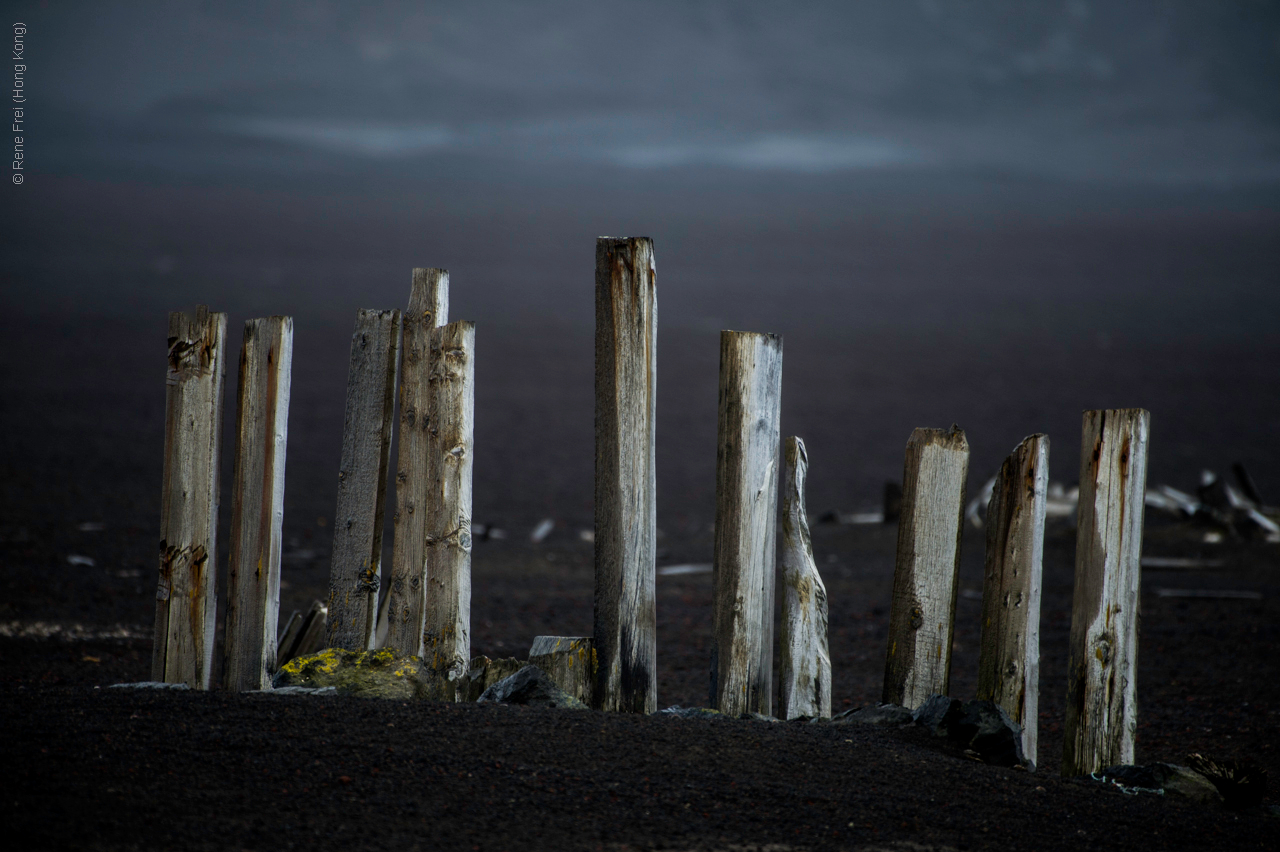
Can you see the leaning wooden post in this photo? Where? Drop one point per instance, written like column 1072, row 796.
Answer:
column 428, row 308
column 922, row 613
column 187, row 592
column 1009, row 659
column 355, row 570
column 450, row 442
column 257, row 503
column 805, row 669
column 625, row 632
column 746, row 522
column 1102, row 711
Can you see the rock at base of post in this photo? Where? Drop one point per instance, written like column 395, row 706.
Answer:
column 530, row 687
column 570, row 662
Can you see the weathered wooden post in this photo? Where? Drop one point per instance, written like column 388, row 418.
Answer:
column 1102, row 711
column 625, row 632
column 187, row 591
column 805, row 671
column 570, row 661
column 922, row 613
column 257, row 503
column 746, row 522
column 428, row 308
column 355, row 570
column 450, row 444
column 1009, row 659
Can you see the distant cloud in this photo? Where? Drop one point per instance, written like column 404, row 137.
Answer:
column 784, row 153
column 368, row 139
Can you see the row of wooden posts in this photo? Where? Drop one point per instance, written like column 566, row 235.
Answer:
column 430, row 363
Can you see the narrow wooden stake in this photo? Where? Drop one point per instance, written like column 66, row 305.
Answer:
column 446, row 631
column 187, row 591
column 1009, row 658
column 1102, row 711
column 625, row 632
column 746, row 522
column 257, row 503
column 922, row 613
column 805, row 669
column 355, row 571
column 428, row 308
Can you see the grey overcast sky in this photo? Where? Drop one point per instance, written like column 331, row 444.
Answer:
column 1184, row 93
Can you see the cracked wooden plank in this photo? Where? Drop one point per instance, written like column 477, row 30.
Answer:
column 257, row 503
column 922, row 612
column 625, row 621
column 1009, row 656
column 1102, row 712
column 355, row 570
column 805, row 667
column 746, row 522
column 186, row 592
column 406, row 596
column 450, row 445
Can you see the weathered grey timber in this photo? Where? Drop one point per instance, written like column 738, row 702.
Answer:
column 1009, row 658
column 570, row 661
column 1102, row 711
column 257, row 503
column 355, row 570
column 922, row 613
column 746, row 522
column 428, row 308
column 450, row 446
column 187, row 591
column 805, row 670
column 625, row 630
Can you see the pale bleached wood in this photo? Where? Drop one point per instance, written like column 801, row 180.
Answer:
column 922, row 613
column 257, row 503
column 570, row 662
column 428, row 308
column 186, row 594
column 625, row 630
column 450, row 445
column 805, row 667
column 746, row 522
column 1009, row 656
column 1102, row 711
column 355, row 572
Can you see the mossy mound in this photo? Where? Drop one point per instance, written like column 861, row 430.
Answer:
column 371, row 674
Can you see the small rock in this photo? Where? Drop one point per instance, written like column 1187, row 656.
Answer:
column 299, row 690
column 876, row 714
column 691, row 712
column 1242, row 783
column 530, row 687
column 759, row 717
column 149, row 684
column 371, row 674
column 985, row 728
column 486, row 672
column 937, row 713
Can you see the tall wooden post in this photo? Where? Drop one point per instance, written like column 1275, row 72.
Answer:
column 805, row 670
column 625, row 634
column 1102, row 712
column 355, row 571
column 257, row 503
column 746, row 522
column 922, row 614
column 428, row 308
column 446, row 632
column 187, row 591
column 1009, row 659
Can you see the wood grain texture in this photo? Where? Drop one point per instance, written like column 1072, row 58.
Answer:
column 355, row 571
column 570, row 661
column 187, row 591
column 1009, row 656
column 428, row 308
column 1102, row 712
column 922, row 612
column 257, row 503
column 625, row 630
column 805, row 669
column 746, row 522
column 450, row 445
